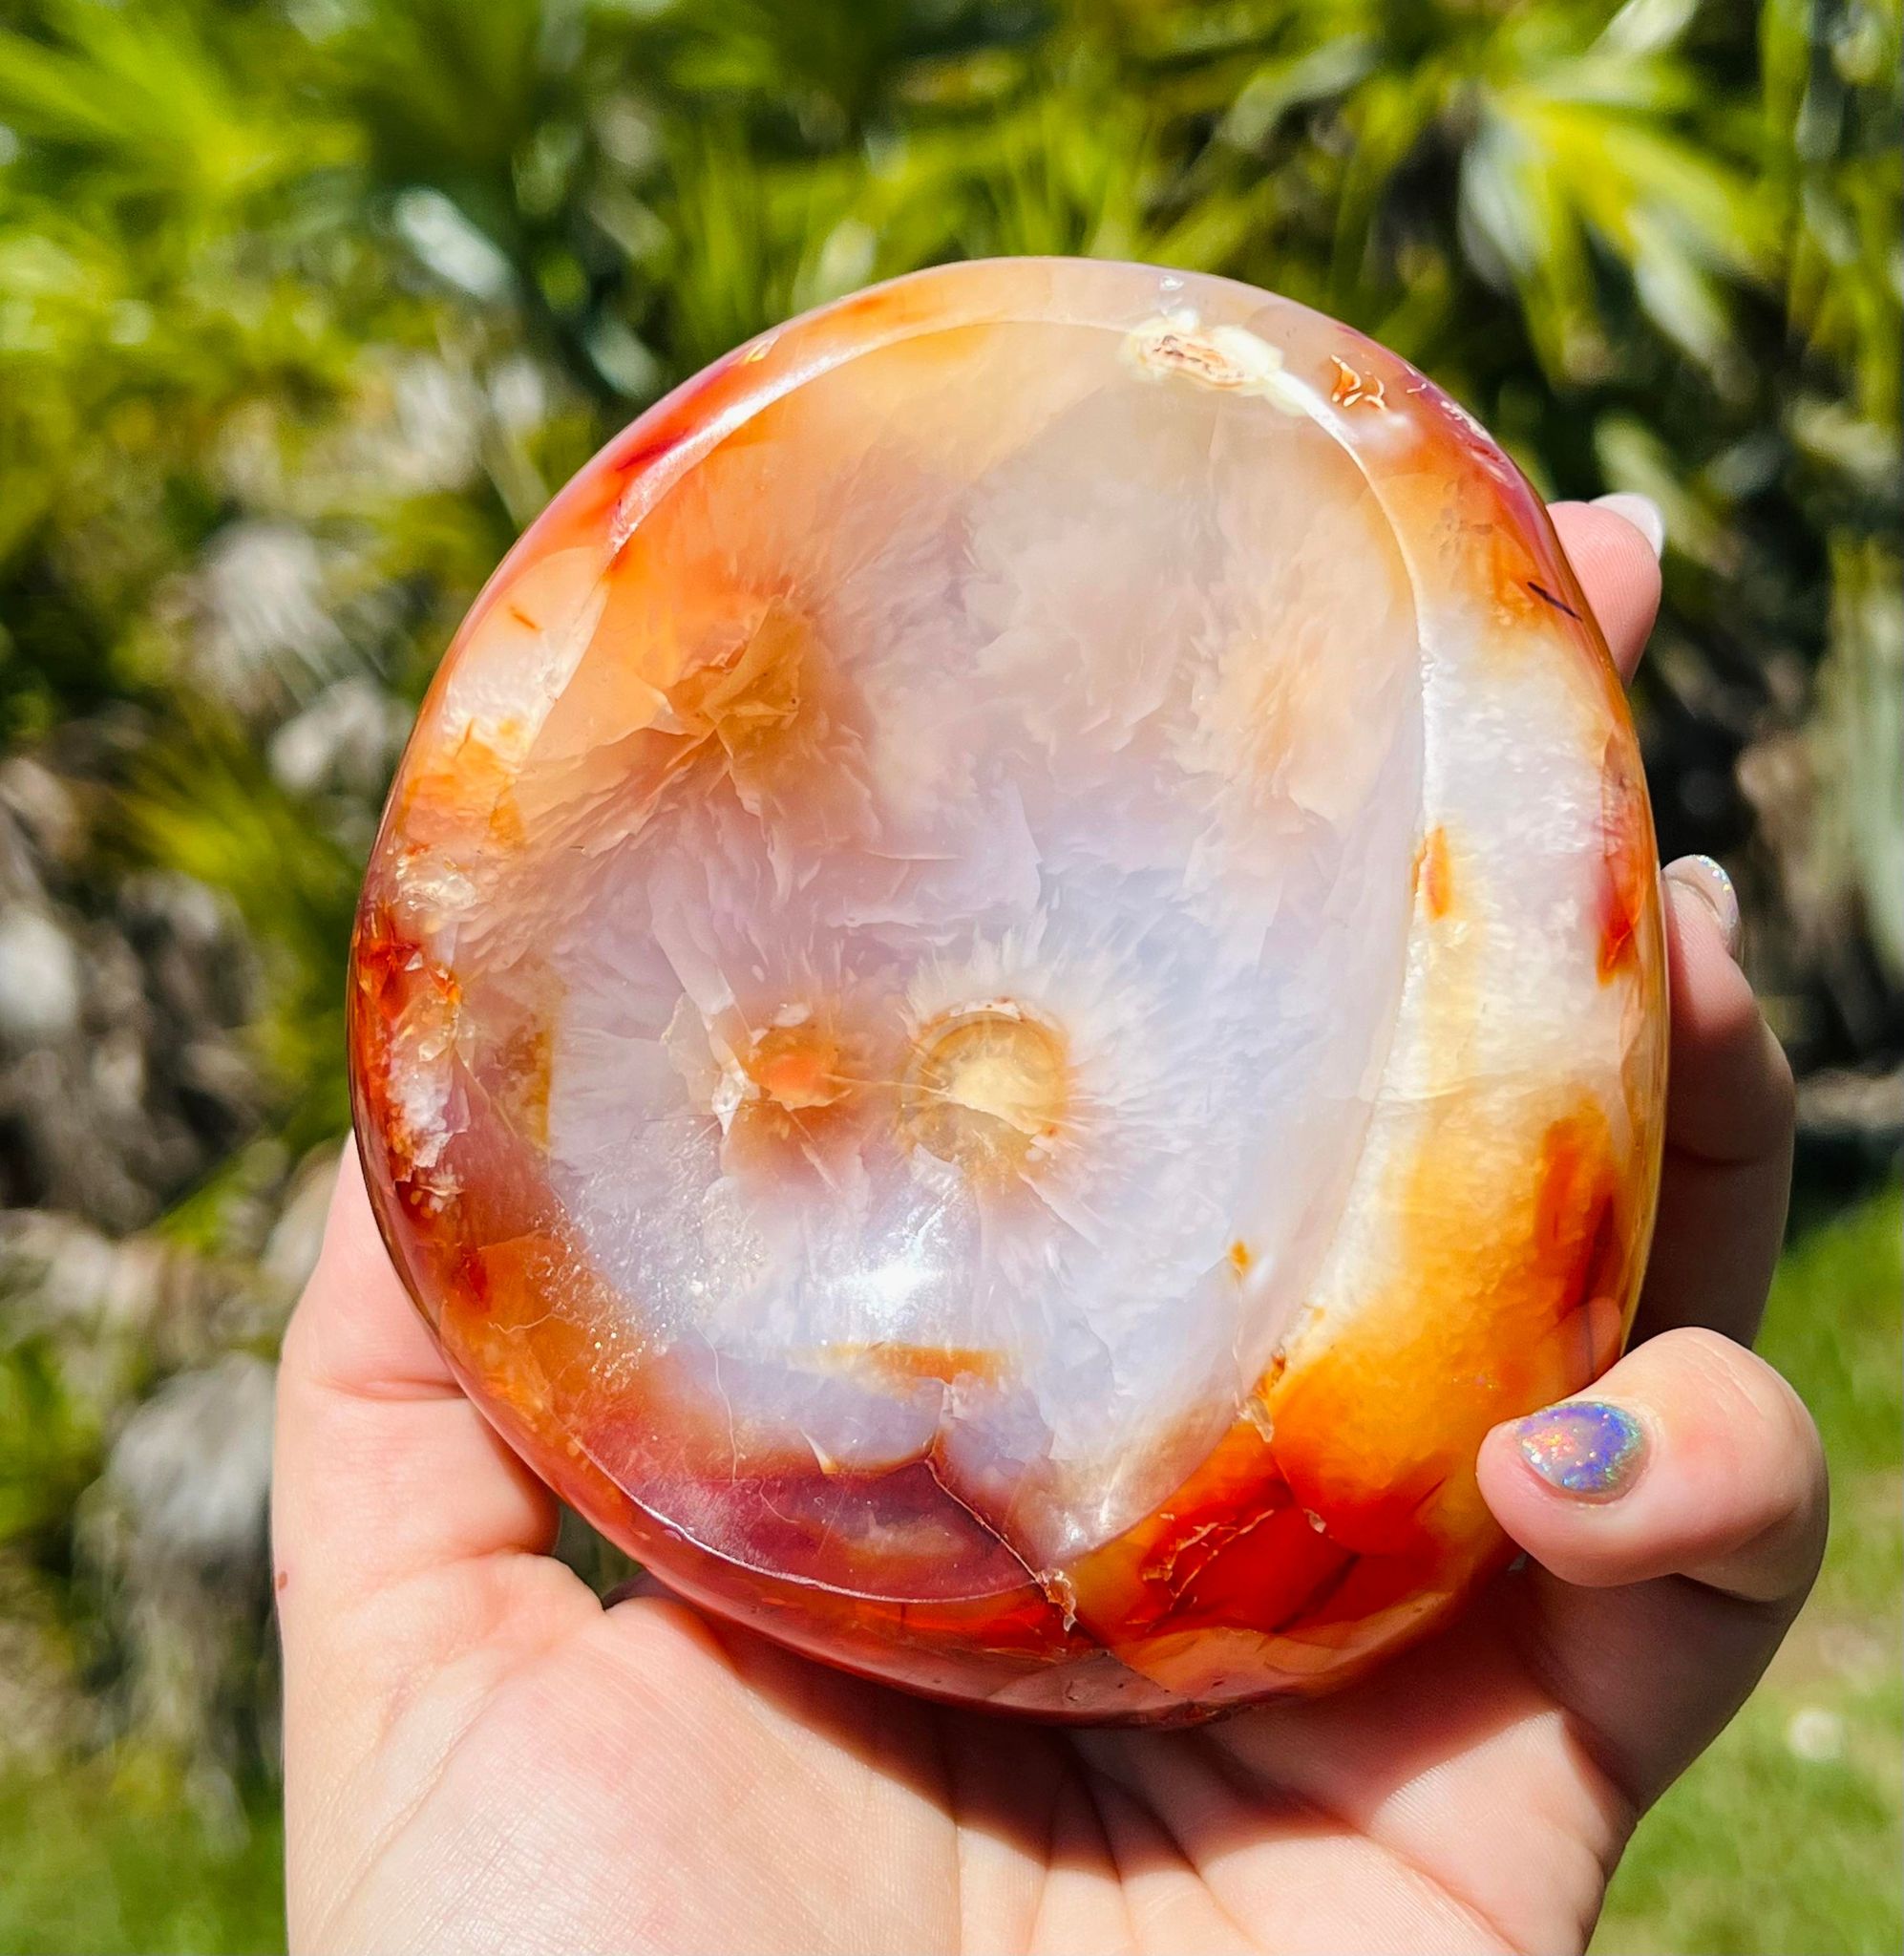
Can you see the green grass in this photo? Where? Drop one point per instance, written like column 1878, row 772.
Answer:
column 96, row 1860
column 1783, row 1840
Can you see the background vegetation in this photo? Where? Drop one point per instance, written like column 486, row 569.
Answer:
column 306, row 306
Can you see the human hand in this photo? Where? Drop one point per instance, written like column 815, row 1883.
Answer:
column 479, row 1754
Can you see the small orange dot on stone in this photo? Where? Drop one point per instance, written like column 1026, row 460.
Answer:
column 1434, row 878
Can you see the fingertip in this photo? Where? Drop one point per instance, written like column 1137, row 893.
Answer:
column 1703, row 879
column 1619, row 569
column 1643, row 513
column 355, row 1326
column 1709, row 997
column 352, row 1249
column 1691, row 1457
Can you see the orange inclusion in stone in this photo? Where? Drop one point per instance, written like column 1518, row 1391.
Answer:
column 1434, row 877
column 796, row 1070
column 1349, row 1490
column 1626, row 860
column 1526, row 1319
column 924, row 1362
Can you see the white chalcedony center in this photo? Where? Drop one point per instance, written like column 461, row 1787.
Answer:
column 978, row 974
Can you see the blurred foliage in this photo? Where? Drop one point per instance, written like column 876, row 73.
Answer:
column 99, row 1861
column 307, row 307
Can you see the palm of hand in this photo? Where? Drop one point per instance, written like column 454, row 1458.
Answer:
column 575, row 1780
column 579, row 1780
column 479, row 1755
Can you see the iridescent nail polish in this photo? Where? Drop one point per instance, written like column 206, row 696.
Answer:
column 1708, row 881
column 1585, row 1448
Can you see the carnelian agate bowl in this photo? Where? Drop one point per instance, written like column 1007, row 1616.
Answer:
column 1013, row 985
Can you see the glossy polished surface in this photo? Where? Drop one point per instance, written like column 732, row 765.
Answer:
column 1013, row 985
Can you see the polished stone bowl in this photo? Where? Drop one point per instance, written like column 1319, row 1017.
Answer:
column 1014, row 985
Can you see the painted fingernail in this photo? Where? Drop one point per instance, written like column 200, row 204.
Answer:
column 1641, row 512
column 1585, row 1448
column 1713, row 887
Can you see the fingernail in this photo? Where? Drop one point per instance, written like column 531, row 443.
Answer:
column 1641, row 512
column 1585, row 1448
column 1713, row 888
